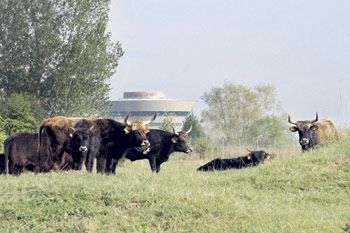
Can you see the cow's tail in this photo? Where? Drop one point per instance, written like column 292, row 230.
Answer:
column 40, row 162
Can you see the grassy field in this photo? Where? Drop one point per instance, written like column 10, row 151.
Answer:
column 307, row 192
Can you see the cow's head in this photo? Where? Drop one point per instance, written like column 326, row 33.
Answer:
column 80, row 142
column 257, row 156
column 181, row 141
column 308, row 132
column 137, row 131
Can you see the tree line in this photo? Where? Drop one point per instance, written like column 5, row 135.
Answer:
column 56, row 58
column 239, row 115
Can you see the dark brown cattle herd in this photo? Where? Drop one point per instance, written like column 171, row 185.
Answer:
column 64, row 143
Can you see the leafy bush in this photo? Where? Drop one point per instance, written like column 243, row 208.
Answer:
column 3, row 137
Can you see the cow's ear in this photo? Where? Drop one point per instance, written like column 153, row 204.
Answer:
column 314, row 127
column 293, row 129
column 173, row 140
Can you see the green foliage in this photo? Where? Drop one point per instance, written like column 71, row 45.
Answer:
column 202, row 145
column 20, row 113
column 306, row 192
column 197, row 129
column 3, row 137
column 59, row 52
column 167, row 122
column 232, row 108
column 267, row 131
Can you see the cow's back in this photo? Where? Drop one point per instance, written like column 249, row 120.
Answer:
column 109, row 129
column 326, row 129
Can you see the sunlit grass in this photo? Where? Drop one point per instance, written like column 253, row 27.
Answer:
column 303, row 192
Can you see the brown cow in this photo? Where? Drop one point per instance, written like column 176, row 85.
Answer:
column 21, row 153
column 313, row 133
column 116, row 137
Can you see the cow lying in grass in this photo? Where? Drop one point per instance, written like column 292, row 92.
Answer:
column 252, row 159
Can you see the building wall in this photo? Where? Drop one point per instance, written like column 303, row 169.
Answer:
column 143, row 107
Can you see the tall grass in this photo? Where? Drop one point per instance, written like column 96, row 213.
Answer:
column 301, row 192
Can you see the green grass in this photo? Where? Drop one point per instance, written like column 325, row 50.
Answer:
column 308, row 192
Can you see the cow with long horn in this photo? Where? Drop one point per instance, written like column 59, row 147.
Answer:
column 312, row 133
column 163, row 144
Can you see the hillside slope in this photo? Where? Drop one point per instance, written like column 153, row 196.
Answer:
column 306, row 192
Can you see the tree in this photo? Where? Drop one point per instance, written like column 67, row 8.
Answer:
column 58, row 52
column 267, row 131
column 3, row 136
column 197, row 129
column 232, row 108
column 202, row 146
column 167, row 122
column 20, row 113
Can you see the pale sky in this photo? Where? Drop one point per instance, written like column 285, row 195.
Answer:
column 185, row 47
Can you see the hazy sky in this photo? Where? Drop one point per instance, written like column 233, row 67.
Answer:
column 185, row 47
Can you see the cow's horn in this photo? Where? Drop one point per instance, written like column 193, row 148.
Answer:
column 188, row 131
column 174, row 131
column 128, row 123
column 291, row 122
column 316, row 118
column 150, row 121
column 248, row 150
column 91, row 128
column 73, row 129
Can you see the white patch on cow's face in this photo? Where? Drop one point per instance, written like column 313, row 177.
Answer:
column 83, row 148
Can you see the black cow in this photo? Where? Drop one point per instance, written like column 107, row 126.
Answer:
column 85, row 144
column 116, row 138
column 21, row 152
column 3, row 164
column 163, row 144
column 252, row 159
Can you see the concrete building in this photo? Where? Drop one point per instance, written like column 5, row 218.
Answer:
column 143, row 106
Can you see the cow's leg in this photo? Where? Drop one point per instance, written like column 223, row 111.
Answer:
column 153, row 163
column 114, row 166
column 80, row 164
column 101, row 164
column 19, row 169
column 109, row 165
column 89, row 162
column 158, row 167
column 11, row 166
